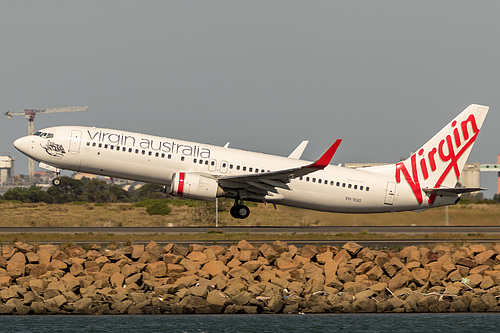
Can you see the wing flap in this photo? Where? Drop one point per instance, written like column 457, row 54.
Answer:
column 262, row 186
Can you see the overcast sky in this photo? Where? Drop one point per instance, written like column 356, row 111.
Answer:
column 384, row 76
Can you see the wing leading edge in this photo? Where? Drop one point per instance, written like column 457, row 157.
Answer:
column 262, row 183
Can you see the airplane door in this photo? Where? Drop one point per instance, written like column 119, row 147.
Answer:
column 74, row 144
column 390, row 193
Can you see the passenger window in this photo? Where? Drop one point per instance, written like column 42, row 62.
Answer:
column 244, row 168
column 343, row 184
column 355, row 187
column 100, row 145
column 143, row 152
column 162, row 155
column 230, row 166
column 94, row 144
column 201, row 161
column 206, row 162
column 338, row 183
column 137, row 151
column 195, row 160
column 50, row 136
column 169, row 156
column 237, row 167
column 224, row 165
column 157, row 154
column 307, row 179
column 367, row 189
column 111, row 147
column 105, row 146
column 314, row 180
column 212, row 163
column 250, row 169
column 361, row 187
column 349, row 186
column 182, row 158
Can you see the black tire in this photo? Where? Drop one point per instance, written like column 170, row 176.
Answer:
column 243, row 211
column 234, row 211
column 240, row 211
column 56, row 181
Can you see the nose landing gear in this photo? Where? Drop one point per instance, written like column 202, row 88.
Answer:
column 57, row 181
column 239, row 210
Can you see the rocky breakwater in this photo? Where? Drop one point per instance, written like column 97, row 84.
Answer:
column 244, row 278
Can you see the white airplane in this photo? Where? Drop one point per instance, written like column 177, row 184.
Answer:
column 200, row 171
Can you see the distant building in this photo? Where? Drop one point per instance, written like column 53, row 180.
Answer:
column 80, row 176
column 43, row 177
column 6, row 170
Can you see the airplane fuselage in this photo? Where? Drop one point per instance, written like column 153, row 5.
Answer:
column 153, row 159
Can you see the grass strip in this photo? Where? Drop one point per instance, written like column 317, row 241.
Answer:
column 99, row 237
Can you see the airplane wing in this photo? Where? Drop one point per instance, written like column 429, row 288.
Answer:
column 261, row 183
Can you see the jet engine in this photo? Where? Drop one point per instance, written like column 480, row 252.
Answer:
column 195, row 186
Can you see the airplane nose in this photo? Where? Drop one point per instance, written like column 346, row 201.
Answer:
column 21, row 144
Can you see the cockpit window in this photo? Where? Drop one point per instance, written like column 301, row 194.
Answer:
column 44, row 135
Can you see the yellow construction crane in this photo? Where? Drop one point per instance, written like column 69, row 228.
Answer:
column 30, row 115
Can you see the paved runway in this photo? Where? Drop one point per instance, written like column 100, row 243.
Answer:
column 486, row 230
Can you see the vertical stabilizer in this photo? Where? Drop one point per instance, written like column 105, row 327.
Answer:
column 439, row 162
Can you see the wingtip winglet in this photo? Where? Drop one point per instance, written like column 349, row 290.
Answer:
column 327, row 156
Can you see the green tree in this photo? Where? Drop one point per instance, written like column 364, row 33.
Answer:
column 149, row 191
column 69, row 190
column 117, row 194
column 96, row 191
column 32, row 194
column 16, row 193
column 36, row 194
column 158, row 207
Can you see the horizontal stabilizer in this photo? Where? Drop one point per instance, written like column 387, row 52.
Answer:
column 451, row 190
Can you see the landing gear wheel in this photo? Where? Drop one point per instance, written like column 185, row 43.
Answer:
column 240, row 211
column 56, row 181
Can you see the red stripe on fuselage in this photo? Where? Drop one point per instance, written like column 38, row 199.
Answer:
column 180, row 186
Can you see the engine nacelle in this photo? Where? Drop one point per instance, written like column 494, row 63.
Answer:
column 195, row 186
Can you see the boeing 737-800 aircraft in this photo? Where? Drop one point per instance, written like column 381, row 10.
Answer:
column 200, row 171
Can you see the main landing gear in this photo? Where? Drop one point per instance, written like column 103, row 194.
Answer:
column 239, row 210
